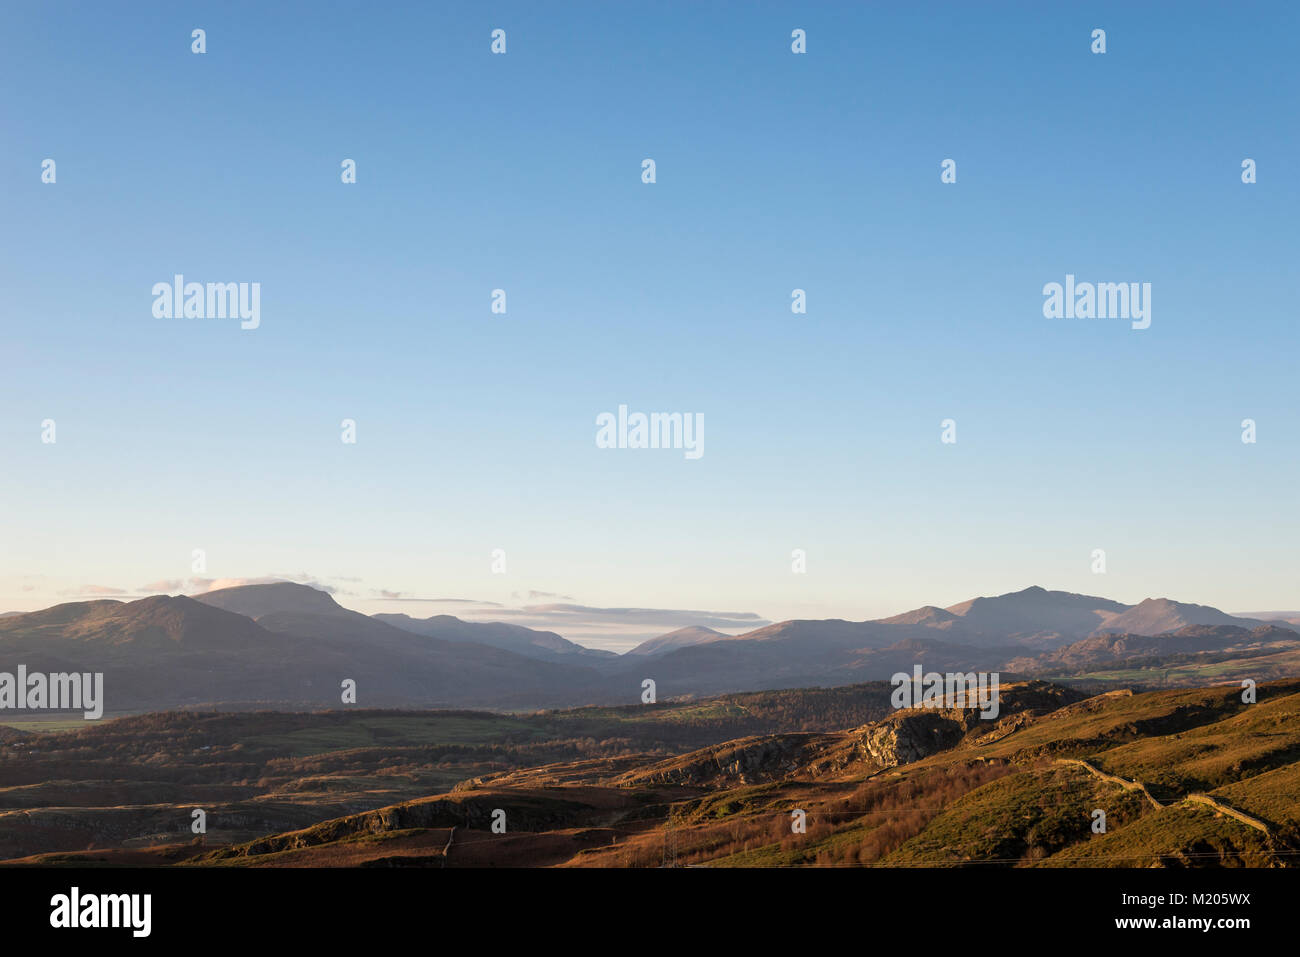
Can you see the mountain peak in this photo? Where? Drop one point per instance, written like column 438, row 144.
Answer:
column 1156, row 616
column 256, row 601
column 925, row 615
column 681, row 638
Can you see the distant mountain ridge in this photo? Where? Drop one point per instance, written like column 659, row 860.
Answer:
column 281, row 645
column 1034, row 613
column 289, row 645
column 1034, row 616
column 1157, row 616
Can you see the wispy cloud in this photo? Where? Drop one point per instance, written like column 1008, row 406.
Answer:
column 163, row 587
column 466, row 602
column 658, row 617
column 198, row 585
column 94, row 591
column 202, row 585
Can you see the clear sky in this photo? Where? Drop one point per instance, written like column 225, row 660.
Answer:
column 775, row 171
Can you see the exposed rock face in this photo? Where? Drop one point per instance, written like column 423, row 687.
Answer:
column 916, row 733
column 910, row 736
column 763, row 761
column 746, row 761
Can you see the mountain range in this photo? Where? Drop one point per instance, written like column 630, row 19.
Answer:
column 287, row 645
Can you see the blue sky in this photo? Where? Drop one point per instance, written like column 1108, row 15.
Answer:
column 775, row 171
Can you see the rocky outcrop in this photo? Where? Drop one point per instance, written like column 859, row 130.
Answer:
column 910, row 736
column 745, row 761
